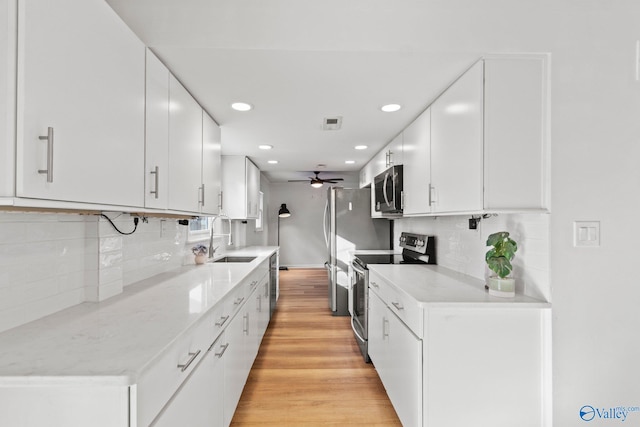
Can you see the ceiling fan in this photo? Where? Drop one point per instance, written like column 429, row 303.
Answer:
column 316, row 182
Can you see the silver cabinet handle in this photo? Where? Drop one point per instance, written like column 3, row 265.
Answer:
column 432, row 195
column 245, row 325
column 253, row 284
column 49, row 170
column 375, row 285
column 385, row 330
column 397, row 305
column 201, row 195
column 220, row 204
column 238, row 301
column 183, row 367
column 155, row 172
column 222, row 321
column 259, row 298
column 223, row 348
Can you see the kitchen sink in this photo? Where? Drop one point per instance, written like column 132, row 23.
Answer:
column 235, row 259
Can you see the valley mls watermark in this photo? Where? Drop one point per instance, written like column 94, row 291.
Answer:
column 616, row 413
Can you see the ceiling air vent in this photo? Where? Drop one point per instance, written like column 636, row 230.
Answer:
column 332, row 123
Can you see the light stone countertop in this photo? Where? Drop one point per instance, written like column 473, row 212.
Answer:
column 111, row 342
column 433, row 285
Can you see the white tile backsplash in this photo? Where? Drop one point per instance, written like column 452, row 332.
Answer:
column 49, row 261
column 463, row 250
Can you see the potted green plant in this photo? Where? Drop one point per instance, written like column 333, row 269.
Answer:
column 498, row 260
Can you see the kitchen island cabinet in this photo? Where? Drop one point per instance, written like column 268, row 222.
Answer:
column 141, row 357
column 441, row 343
column 80, row 104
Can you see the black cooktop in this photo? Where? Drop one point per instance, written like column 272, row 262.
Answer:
column 389, row 259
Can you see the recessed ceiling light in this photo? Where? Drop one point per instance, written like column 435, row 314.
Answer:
column 272, row 162
column 390, row 108
column 265, row 147
column 361, row 147
column 241, row 106
column 349, row 162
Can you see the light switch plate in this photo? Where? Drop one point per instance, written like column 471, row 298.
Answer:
column 586, row 233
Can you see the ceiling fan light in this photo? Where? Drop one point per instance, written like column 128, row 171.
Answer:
column 315, row 183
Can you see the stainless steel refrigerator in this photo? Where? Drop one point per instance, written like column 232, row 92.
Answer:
column 348, row 226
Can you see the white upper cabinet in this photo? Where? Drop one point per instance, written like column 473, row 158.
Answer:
column 7, row 98
column 417, row 165
column 211, row 165
column 185, row 149
column 157, row 134
column 240, row 187
column 80, row 109
column 394, row 151
column 515, row 133
column 456, row 145
column 182, row 147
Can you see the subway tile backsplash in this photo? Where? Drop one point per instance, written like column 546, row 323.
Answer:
column 463, row 250
column 49, row 261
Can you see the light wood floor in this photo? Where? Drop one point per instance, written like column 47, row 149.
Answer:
column 309, row 371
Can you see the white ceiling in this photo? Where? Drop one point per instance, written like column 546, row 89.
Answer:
column 298, row 62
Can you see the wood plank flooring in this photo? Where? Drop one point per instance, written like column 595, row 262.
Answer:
column 309, row 371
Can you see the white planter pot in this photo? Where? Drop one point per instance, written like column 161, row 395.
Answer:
column 201, row 258
column 505, row 288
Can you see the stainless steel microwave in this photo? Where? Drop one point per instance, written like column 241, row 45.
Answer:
column 388, row 191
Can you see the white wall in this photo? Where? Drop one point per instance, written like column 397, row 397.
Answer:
column 302, row 241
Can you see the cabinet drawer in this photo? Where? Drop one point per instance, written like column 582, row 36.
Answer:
column 165, row 374
column 405, row 307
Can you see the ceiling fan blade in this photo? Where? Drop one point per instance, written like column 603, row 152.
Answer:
column 298, row 180
column 332, row 179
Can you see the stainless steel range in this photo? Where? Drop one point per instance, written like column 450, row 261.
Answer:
column 417, row 249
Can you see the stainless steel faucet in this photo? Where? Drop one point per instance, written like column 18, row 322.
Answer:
column 211, row 248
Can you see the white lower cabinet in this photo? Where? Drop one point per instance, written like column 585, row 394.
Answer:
column 460, row 364
column 397, row 355
column 199, row 401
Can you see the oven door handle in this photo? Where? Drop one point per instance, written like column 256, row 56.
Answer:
column 358, row 269
column 356, row 332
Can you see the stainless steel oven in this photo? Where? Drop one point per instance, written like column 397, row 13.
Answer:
column 417, row 249
column 359, row 305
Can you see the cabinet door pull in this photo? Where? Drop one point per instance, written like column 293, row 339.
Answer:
column 397, row 305
column 49, row 170
column 375, row 285
column 259, row 298
column 245, row 325
column 238, row 301
column 156, row 173
column 223, row 348
column 222, row 320
column 183, row 367
column 202, row 194
column 385, row 330
column 220, row 204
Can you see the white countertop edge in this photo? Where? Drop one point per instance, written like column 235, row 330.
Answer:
column 67, row 381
